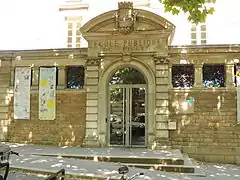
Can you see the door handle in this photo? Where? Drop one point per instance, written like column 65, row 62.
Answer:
column 106, row 119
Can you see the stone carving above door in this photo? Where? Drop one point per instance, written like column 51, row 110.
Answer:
column 125, row 17
column 126, row 20
column 127, row 30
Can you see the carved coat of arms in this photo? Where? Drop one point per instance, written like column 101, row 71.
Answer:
column 125, row 17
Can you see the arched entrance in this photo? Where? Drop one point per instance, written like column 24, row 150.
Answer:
column 127, row 120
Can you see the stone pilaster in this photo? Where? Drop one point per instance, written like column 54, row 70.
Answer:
column 229, row 75
column 170, row 85
column 12, row 76
column 61, row 77
column 92, row 77
column 35, row 78
column 162, row 101
column 198, row 74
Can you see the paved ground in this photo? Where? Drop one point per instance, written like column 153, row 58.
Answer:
column 103, row 169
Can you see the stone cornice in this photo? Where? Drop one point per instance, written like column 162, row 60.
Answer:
column 173, row 51
column 204, row 49
column 43, row 54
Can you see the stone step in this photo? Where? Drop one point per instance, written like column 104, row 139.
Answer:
column 157, row 158
column 164, row 167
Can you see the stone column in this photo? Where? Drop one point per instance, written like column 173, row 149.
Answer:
column 198, row 76
column 61, row 77
column 162, row 102
column 91, row 135
column 35, row 78
column 229, row 75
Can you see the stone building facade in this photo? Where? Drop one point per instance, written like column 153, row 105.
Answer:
column 128, row 88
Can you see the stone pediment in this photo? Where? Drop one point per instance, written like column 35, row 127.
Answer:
column 127, row 21
column 128, row 30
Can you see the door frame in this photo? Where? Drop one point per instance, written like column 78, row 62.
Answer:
column 130, row 87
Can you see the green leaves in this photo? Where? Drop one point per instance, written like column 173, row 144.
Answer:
column 196, row 9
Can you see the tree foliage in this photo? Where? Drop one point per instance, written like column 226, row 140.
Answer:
column 196, row 9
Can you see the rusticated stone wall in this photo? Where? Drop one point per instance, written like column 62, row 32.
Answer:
column 210, row 132
column 67, row 129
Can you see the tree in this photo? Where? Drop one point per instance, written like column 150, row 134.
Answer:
column 196, row 9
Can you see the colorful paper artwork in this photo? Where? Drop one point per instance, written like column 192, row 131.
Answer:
column 47, row 93
column 22, row 89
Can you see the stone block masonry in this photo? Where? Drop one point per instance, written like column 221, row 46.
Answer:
column 67, row 129
column 210, row 133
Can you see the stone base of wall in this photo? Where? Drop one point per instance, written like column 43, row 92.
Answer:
column 208, row 132
column 67, row 129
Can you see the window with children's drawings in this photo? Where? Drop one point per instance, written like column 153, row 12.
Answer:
column 213, row 75
column 183, row 76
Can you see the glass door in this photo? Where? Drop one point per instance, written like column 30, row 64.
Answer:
column 137, row 121
column 117, row 117
column 126, row 121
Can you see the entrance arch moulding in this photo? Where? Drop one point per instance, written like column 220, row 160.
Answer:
column 120, row 34
column 105, row 76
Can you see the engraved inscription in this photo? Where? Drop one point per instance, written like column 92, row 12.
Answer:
column 124, row 45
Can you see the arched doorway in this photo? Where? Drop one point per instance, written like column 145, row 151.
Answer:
column 127, row 120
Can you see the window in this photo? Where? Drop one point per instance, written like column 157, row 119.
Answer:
column 194, row 35
column 74, row 34
column 199, row 34
column 213, row 75
column 75, row 77
column 32, row 77
column 142, row 3
column 210, row 1
column 237, row 74
column 182, row 76
column 51, row 67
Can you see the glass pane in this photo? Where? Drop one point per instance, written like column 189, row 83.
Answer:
column 78, row 32
column 117, row 114
column 78, row 45
column 193, row 42
column 69, row 32
column 203, row 41
column 194, row 28
column 203, row 35
column 75, row 77
column 127, row 76
column 182, row 76
column 69, row 45
column 70, row 40
column 70, row 25
column 203, row 27
column 138, row 117
column 213, row 75
column 193, row 36
column 78, row 26
column 78, row 39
